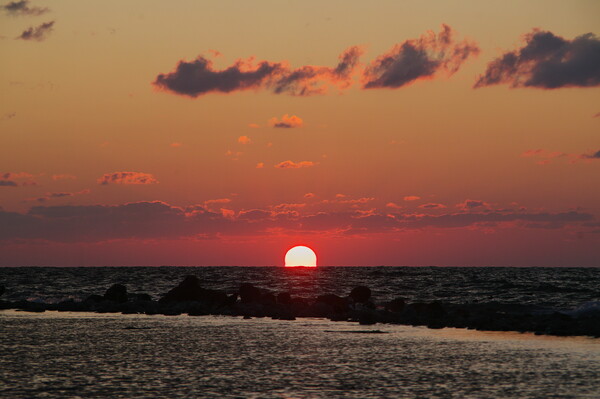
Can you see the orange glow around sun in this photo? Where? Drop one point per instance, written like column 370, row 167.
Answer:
column 300, row 256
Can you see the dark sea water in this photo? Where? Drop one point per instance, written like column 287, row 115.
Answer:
column 555, row 288
column 91, row 355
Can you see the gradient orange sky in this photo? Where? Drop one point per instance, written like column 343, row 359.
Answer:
column 113, row 155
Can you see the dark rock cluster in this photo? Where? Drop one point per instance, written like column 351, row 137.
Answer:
column 249, row 301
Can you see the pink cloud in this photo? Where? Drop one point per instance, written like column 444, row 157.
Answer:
column 411, row 198
column 432, row 206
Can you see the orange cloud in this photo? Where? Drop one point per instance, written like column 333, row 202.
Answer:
column 412, row 198
column 286, row 122
column 295, row 165
column 127, row 178
column 254, row 125
column 260, row 165
column 244, row 140
column 393, row 205
column 176, row 144
column 309, row 195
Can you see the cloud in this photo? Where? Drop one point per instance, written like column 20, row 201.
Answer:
column 432, row 206
column 260, row 165
column 22, row 8
column 8, row 116
column 411, row 198
column 175, row 144
column 7, row 179
column 244, row 140
column 309, row 195
column 597, row 115
column 469, row 204
column 37, row 33
column 8, row 183
column 253, row 125
column 154, row 220
column 593, row 155
column 421, row 58
column 393, row 205
column 547, row 61
column 286, row 122
column 50, row 196
column 199, row 77
column 310, row 80
column 127, row 178
column 295, row 165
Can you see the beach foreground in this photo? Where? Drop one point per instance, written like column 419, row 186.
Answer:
column 74, row 354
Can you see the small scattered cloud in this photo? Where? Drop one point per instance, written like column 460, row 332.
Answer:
column 244, row 140
column 175, row 144
column 8, row 116
column 597, row 115
column 253, row 125
column 592, row 155
column 286, row 122
column 127, row 178
column 8, row 183
column 8, row 179
column 37, row 33
column 18, row 8
column 295, row 165
column 234, row 155
column 309, row 195
column 547, row 61
column 544, row 157
column 49, row 196
column 63, row 177
column 260, row 165
column 432, row 206
column 469, row 204
column 411, row 198
column 393, row 205
column 417, row 59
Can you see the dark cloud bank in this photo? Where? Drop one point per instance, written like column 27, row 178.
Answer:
column 547, row 61
column 405, row 63
column 154, row 220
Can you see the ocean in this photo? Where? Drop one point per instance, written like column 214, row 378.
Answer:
column 108, row 355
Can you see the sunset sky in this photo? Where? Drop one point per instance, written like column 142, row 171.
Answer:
column 225, row 132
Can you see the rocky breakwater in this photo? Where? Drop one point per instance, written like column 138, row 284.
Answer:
column 249, row 301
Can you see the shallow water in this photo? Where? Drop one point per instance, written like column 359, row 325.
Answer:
column 57, row 355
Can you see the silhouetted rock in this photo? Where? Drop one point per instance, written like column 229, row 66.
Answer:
column 139, row 297
column 249, row 293
column 190, row 290
column 396, row 305
column 2, row 290
column 360, row 294
column 116, row 293
column 94, row 298
column 367, row 319
column 267, row 299
column 338, row 303
column 284, row 298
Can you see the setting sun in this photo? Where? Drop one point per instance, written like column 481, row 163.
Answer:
column 300, row 256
